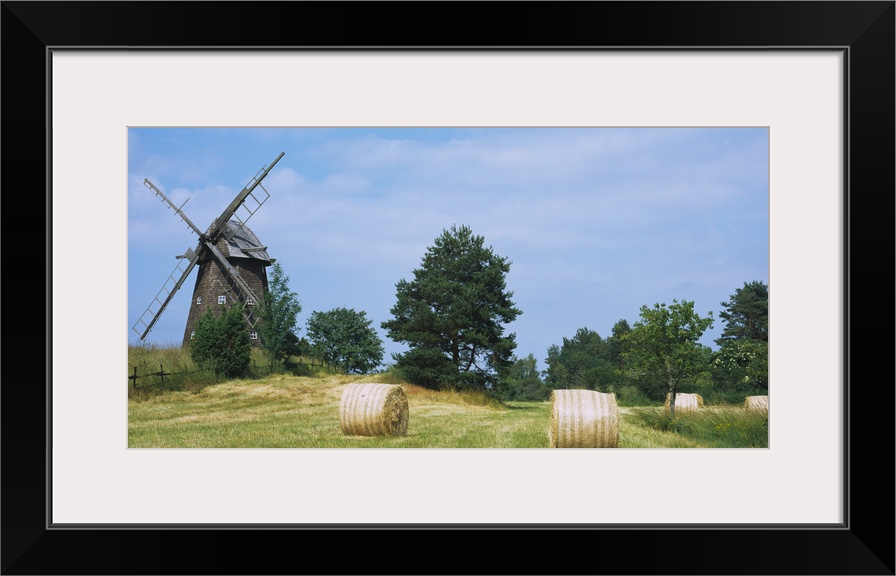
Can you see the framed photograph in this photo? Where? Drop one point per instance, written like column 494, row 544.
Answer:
column 816, row 77
column 584, row 224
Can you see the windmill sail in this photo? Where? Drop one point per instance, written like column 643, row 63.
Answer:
column 172, row 285
column 218, row 225
column 245, row 211
column 171, row 205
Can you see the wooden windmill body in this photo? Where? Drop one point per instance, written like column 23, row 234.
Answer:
column 232, row 263
column 215, row 288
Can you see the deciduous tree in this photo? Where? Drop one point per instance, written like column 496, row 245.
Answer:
column 345, row 338
column 744, row 364
column 279, row 318
column 663, row 344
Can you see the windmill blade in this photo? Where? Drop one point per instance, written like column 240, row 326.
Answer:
column 250, row 206
column 218, row 225
column 171, row 205
column 172, row 285
column 232, row 272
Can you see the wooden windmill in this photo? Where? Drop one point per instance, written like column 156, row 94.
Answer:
column 232, row 262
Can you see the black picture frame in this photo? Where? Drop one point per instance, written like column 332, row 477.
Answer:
column 864, row 544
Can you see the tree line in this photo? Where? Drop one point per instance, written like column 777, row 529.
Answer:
column 452, row 315
column 659, row 355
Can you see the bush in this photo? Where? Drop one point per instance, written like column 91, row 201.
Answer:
column 529, row 392
column 632, row 396
column 392, row 375
column 730, row 397
column 221, row 343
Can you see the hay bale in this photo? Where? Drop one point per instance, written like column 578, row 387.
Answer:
column 685, row 402
column 583, row 419
column 756, row 404
column 373, row 410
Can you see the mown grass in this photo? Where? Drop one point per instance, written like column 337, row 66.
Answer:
column 282, row 411
column 303, row 412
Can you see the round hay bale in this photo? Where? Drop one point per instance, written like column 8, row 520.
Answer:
column 685, row 402
column 756, row 404
column 583, row 419
column 373, row 410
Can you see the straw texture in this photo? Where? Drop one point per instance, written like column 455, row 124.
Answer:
column 373, row 410
column 583, row 419
column 685, row 402
column 756, row 404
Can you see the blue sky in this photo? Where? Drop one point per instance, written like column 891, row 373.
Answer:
column 596, row 221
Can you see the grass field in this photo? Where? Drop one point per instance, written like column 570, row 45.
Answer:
column 303, row 412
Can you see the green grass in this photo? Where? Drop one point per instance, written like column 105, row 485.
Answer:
column 711, row 427
column 283, row 411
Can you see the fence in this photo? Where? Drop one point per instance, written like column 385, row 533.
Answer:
column 161, row 373
column 132, row 378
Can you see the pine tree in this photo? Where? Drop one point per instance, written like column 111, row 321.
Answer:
column 452, row 315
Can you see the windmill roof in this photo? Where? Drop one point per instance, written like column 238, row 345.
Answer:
column 243, row 244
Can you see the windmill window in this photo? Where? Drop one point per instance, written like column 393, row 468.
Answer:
column 199, row 300
column 250, row 302
column 253, row 335
column 222, row 299
column 193, row 333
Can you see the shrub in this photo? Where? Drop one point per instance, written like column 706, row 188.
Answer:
column 725, row 397
column 221, row 343
column 632, row 396
column 392, row 375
